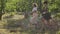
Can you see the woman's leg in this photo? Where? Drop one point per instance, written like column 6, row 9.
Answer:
column 51, row 22
column 44, row 21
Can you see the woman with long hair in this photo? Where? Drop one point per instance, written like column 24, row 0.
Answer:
column 46, row 15
column 34, row 14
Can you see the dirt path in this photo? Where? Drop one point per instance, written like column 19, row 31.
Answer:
column 18, row 17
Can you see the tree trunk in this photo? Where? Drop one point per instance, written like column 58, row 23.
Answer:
column 26, row 14
column 0, row 16
column 2, row 8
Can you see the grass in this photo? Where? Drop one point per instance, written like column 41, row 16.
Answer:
column 5, row 31
column 13, row 21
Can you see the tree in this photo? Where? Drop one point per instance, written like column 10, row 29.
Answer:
column 2, row 8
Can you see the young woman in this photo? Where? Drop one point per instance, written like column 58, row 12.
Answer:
column 46, row 15
column 34, row 14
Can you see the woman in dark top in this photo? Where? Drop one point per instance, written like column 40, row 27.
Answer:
column 45, row 14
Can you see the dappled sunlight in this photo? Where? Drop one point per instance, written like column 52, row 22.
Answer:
column 30, row 17
column 17, row 24
column 17, row 17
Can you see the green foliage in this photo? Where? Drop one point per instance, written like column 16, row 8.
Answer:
column 13, row 6
column 26, row 5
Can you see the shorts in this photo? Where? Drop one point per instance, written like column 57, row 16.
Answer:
column 46, row 16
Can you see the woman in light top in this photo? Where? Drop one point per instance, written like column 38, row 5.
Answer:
column 34, row 14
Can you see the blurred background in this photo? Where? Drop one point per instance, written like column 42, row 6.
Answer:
column 15, row 16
